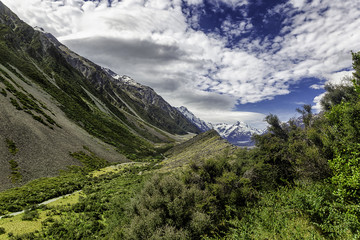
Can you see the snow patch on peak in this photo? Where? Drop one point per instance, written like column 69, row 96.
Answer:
column 130, row 81
column 40, row 29
column 117, row 77
column 125, row 79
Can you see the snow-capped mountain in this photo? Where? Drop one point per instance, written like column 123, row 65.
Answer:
column 203, row 126
column 238, row 134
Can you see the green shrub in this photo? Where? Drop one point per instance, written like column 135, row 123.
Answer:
column 39, row 119
column 11, row 146
column 39, row 190
column 91, row 162
column 15, row 104
column 3, row 92
column 167, row 208
column 15, row 173
column 30, row 215
column 2, row 230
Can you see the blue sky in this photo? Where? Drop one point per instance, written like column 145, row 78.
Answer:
column 225, row 60
column 264, row 25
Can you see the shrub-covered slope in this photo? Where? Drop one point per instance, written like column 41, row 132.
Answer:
column 201, row 147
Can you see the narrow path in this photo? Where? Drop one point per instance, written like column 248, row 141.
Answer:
column 43, row 203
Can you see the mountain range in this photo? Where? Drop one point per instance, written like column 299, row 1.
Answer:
column 238, row 134
column 56, row 104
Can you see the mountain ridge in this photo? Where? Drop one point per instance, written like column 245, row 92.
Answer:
column 127, row 94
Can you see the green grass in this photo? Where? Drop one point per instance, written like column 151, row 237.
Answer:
column 17, row 226
column 39, row 190
column 117, row 168
column 67, row 200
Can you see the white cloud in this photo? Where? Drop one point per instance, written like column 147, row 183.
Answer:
column 317, row 107
column 339, row 77
column 233, row 3
column 317, row 86
column 154, row 42
column 194, row 2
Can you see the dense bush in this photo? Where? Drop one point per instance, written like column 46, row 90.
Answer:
column 167, row 209
column 194, row 204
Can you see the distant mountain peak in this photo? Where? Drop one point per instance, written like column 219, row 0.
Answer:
column 239, row 133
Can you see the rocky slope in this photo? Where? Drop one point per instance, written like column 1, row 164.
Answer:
column 122, row 91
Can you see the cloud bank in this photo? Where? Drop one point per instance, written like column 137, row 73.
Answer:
column 160, row 43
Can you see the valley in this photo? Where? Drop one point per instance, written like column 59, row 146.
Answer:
column 87, row 153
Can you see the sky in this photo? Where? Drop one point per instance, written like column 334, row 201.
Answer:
column 225, row 60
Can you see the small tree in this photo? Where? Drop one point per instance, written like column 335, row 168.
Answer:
column 306, row 115
column 276, row 127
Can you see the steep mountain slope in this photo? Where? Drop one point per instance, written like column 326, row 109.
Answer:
column 203, row 126
column 122, row 91
column 238, row 134
column 50, row 108
column 41, row 148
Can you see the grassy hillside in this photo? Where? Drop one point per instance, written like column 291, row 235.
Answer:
column 201, row 147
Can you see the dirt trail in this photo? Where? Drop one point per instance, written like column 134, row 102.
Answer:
column 43, row 203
